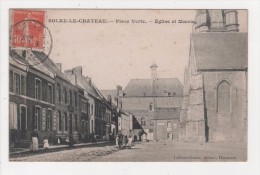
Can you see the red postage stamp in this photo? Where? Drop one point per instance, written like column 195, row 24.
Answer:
column 28, row 29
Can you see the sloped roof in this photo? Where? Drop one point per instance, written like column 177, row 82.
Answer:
column 162, row 87
column 167, row 113
column 14, row 55
column 222, row 50
column 113, row 94
column 88, row 86
column 47, row 62
column 22, row 63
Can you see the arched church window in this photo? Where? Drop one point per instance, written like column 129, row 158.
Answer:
column 223, row 97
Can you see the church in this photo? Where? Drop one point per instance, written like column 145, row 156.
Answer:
column 214, row 105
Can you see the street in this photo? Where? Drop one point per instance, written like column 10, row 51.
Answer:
column 148, row 152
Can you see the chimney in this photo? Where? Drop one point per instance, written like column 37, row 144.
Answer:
column 153, row 68
column 68, row 72
column 59, row 66
column 118, row 88
column 109, row 99
column 77, row 70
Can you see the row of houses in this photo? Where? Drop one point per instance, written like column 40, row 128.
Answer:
column 54, row 103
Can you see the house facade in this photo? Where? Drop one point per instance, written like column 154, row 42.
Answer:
column 99, row 111
column 145, row 98
column 31, row 99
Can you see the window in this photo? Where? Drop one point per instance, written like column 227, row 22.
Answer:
column 169, row 124
column 17, row 83
column 84, row 106
column 223, row 97
column 58, row 93
column 143, row 122
column 50, row 93
column 38, row 89
column 49, row 121
column 76, row 122
column 92, row 109
column 65, row 95
column 175, row 125
column 36, row 118
column 23, row 118
column 13, row 122
column 76, row 99
column 59, row 120
column 151, row 106
column 65, row 121
column 70, row 96
column 88, row 108
column 169, row 135
column 151, row 122
column 11, row 81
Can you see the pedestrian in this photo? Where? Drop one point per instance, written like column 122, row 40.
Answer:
column 34, row 140
column 58, row 140
column 129, row 144
column 45, row 143
column 117, row 141
column 71, row 140
column 67, row 140
column 124, row 141
column 120, row 141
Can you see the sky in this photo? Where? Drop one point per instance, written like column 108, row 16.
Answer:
column 113, row 53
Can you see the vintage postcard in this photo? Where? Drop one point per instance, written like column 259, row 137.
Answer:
column 125, row 85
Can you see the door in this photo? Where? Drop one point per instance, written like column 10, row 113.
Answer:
column 23, row 120
column 70, row 124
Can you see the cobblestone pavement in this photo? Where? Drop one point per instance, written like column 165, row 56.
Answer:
column 73, row 155
column 179, row 152
column 149, row 151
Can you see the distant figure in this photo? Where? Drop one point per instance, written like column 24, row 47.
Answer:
column 117, row 141
column 58, row 140
column 124, row 141
column 45, row 143
column 34, row 137
column 129, row 144
column 67, row 140
column 71, row 140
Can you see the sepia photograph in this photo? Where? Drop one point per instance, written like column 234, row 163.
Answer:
column 128, row 85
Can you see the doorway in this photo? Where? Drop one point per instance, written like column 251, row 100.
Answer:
column 70, row 124
column 23, row 121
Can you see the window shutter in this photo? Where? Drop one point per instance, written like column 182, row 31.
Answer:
column 33, row 118
column 43, row 118
column 54, row 121
column 23, row 85
column 13, row 123
column 11, row 81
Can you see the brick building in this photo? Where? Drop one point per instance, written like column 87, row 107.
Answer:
column 214, row 106
column 147, row 100
column 99, row 110
column 31, row 98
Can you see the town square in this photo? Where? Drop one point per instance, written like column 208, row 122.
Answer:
column 156, row 89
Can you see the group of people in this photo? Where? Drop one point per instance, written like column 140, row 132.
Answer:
column 123, row 142
column 35, row 141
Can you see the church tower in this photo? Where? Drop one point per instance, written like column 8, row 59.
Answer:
column 216, row 21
